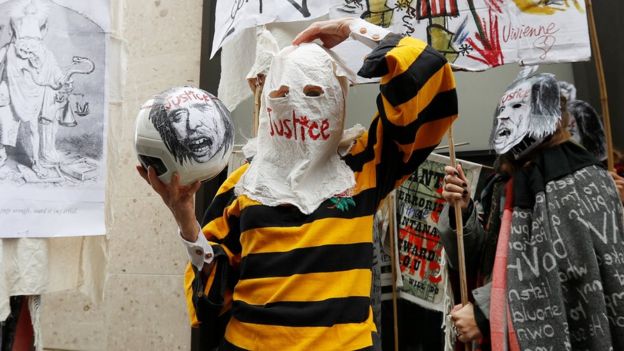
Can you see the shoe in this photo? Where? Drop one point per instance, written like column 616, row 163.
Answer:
column 40, row 171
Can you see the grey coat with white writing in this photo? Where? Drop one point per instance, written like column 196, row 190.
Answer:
column 565, row 265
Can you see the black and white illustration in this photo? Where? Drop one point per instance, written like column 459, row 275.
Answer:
column 184, row 130
column 526, row 114
column 52, row 102
column 196, row 131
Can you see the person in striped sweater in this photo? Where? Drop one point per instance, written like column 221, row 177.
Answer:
column 288, row 263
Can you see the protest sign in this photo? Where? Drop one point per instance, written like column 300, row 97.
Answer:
column 421, row 256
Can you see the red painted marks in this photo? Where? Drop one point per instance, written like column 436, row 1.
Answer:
column 495, row 5
column 189, row 95
column 518, row 94
column 298, row 127
column 418, row 253
column 438, row 8
column 490, row 48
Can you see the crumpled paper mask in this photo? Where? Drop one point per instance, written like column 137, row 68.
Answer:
column 300, row 130
column 528, row 112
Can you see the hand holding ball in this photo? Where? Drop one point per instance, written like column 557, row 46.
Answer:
column 184, row 130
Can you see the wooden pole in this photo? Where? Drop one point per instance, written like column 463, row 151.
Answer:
column 459, row 225
column 393, row 259
column 257, row 103
column 604, row 99
column 446, row 146
column 479, row 24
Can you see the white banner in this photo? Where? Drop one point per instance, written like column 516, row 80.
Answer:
column 53, row 111
column 473, row 35
column 479, row 34
column 232, row 16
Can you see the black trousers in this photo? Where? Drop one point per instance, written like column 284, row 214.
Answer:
column 419, row 328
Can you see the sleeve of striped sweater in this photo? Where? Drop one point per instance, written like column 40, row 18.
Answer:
column 416, row 105
column 209, row 290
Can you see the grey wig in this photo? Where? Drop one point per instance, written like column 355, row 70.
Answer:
column 590, row 128
column 545, row 106
column 568, row 90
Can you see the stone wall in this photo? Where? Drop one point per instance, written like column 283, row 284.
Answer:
column 156, row 45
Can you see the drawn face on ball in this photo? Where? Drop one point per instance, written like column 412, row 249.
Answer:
column 527, row 114
column 196, row 133
column 513, row 118
column 194, row 125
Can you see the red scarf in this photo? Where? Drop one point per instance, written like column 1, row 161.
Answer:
column 502, row 333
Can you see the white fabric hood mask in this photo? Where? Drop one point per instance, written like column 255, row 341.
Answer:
column 300, row 130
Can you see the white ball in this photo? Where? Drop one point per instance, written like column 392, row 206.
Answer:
column 184, row 130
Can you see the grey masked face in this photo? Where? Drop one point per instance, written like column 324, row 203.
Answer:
column 587, row 128
column 512, row 118
column 528, row 113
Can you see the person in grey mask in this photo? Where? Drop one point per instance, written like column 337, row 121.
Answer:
column 540, row 236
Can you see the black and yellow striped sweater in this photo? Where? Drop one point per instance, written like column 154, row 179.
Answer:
column 303, row 282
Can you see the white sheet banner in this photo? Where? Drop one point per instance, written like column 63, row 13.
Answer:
column 232, row 16
column 53, row 111
column 479, row 34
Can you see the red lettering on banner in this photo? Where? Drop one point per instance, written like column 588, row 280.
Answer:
column 434, row 265
column 421, row 254
column 511, row 32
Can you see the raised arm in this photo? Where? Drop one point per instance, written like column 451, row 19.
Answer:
column 416, row 105
column 214, row 250
column 209, row 290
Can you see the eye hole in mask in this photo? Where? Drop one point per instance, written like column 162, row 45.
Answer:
column 313, row 90
column 280, row 93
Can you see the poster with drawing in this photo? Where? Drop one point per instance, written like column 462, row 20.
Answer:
column 232, row 16
column 53, row 109
column 421, row 256
column 476, row 35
